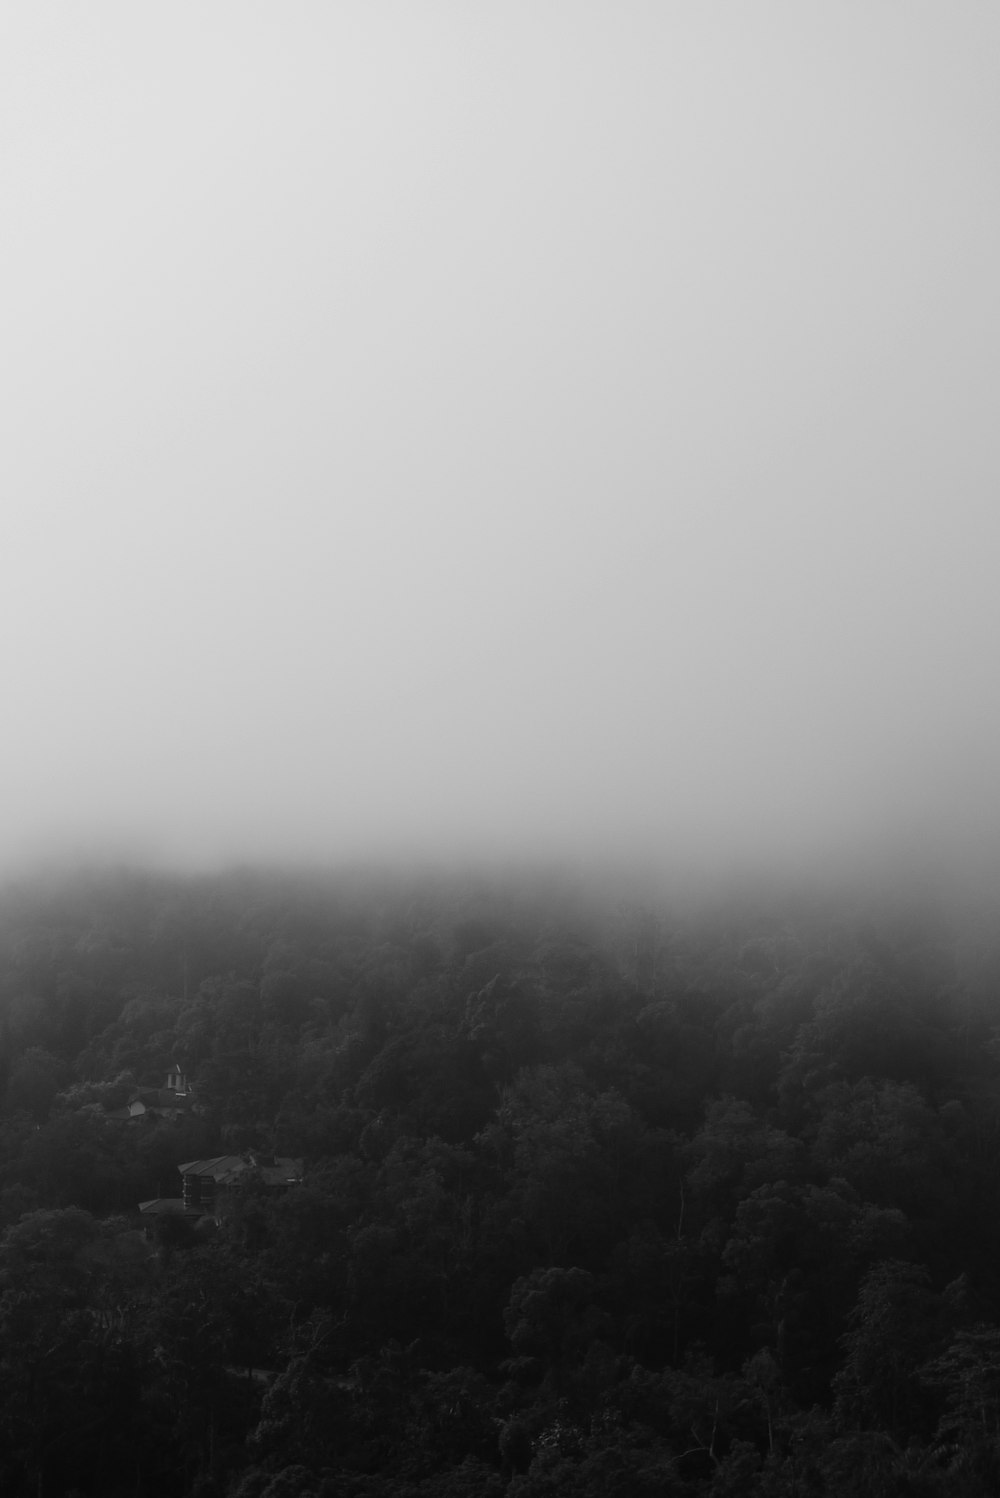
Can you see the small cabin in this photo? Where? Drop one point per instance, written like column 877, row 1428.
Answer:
column 205, row 1182
column 158, row 1102
column 176, row 1080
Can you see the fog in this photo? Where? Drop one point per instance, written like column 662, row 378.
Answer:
column 507, row 431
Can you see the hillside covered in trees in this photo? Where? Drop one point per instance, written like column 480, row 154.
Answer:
column 605, row 1197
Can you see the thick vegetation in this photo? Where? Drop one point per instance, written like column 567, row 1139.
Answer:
column 599, row 1199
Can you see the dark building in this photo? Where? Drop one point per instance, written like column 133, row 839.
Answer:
column 205, row 1182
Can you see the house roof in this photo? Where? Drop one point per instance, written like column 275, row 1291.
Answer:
column 224, row 1169
column 165, row 1206
column 220, row 1168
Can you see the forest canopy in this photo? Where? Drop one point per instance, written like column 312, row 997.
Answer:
column 604, row 1191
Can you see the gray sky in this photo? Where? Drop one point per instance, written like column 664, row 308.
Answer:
column 505, row 427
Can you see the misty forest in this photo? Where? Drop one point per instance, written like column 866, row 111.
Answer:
column 499, row 817
column 531, row 1188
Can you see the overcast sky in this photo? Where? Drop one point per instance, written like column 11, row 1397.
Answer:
column 500, row 428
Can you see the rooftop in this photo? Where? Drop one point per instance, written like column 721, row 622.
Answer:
column 274, row 1170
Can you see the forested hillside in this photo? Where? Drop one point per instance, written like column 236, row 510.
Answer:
column 602, row 1196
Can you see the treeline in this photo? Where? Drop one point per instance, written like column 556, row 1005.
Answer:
column 603, row 1196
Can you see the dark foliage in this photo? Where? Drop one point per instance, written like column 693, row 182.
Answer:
column 599, row 1199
